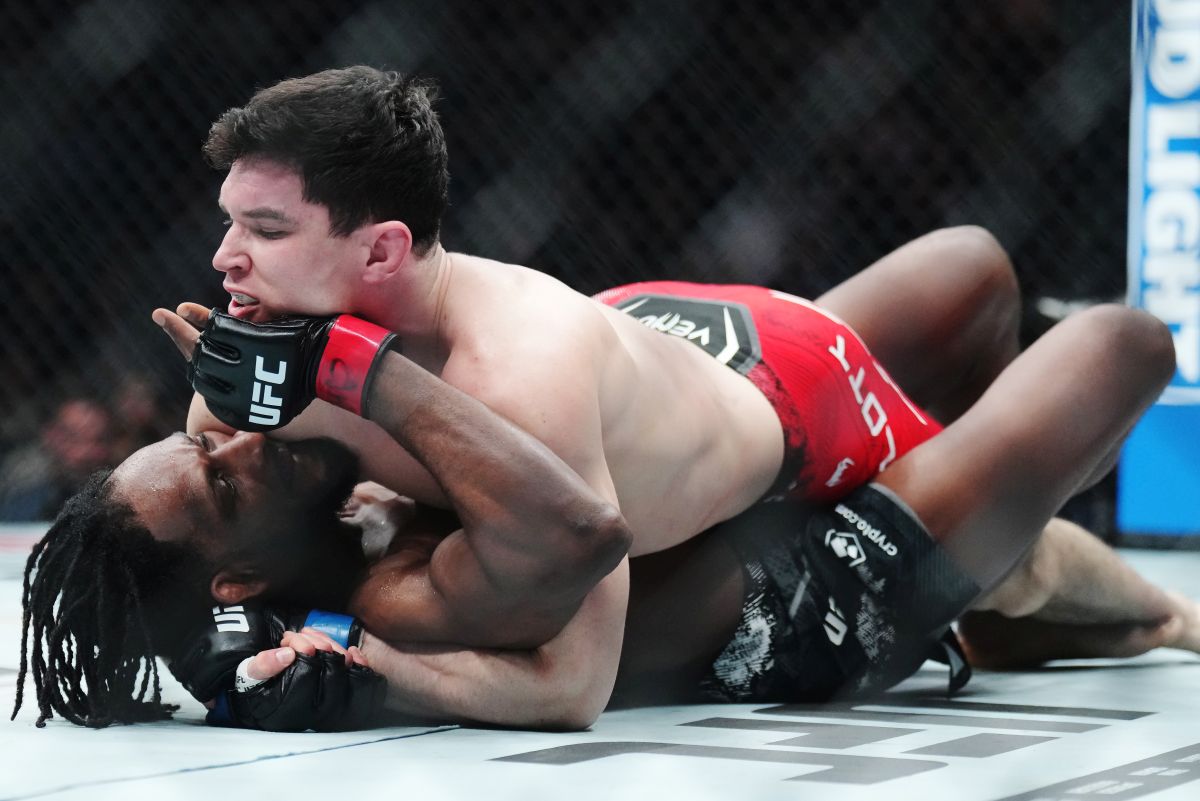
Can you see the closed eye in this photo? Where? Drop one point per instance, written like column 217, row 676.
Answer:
column 265, row 233
column 223, row 488
column 227, row 494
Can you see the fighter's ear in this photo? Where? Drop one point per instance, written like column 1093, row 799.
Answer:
column 234, row 584
column 390, row 243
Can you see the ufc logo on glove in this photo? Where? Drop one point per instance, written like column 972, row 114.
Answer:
column 264, row 408
column 331, row 358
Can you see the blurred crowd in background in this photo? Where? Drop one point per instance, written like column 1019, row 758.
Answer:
column 80, row 435
column 772, row 142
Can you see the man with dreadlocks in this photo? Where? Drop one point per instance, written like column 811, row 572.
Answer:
column 103, row 595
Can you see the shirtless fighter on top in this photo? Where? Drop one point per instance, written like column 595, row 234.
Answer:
column 565, row 433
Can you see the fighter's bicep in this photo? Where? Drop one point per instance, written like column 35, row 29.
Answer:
column 397, row 601
column 481, row 607
column 452, row 596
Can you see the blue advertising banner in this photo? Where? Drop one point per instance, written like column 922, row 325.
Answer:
column 1159, row 478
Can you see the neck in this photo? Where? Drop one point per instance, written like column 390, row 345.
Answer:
column 413, row 303
column 329, row 576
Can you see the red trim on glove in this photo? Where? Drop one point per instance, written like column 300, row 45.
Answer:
column 347, row 360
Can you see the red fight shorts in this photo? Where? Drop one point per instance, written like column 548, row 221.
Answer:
column 844, row 419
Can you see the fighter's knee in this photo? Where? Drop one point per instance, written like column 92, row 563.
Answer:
column 977, row 249
column 974, row 238
column 1139, row 340
column 1155, row 343
column 985, row 276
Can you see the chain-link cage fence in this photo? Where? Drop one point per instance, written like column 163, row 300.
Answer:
column 781, row 143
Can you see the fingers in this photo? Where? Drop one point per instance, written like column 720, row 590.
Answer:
column 302, row 644
column 365, row 494
column 269, row 664
column 356, row 656
column 194, row 313
column 371, row 491
column 183, row 325
column 351, row 507
column 181, row 333
column 323, row 640
column 308, row 641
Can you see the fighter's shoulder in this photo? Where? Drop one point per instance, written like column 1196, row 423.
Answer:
column 514, row 312
column 534, row 350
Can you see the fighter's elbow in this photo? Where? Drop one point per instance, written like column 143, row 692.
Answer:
column 574, row 681
column 603, row 538
column 574, row 708
column 590, row 547
column 574, row 718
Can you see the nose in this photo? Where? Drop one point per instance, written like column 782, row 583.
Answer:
column 244, row 450
column 230, row 256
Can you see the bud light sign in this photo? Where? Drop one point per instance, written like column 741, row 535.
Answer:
column 1159, row 481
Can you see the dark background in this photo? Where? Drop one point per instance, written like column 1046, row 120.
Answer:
column 774, row 142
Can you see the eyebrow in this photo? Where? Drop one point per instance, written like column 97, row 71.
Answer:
column 262, row 213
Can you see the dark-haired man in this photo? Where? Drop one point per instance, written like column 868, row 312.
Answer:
column 335, row 187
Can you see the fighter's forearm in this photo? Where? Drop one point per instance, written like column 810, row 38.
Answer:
column 530, row 519
column 520, row 689
column 563, row 684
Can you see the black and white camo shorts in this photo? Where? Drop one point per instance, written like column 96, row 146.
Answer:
column 840, row 601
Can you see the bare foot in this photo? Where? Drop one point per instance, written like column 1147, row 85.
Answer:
column 995, row 642
column 1186, row 633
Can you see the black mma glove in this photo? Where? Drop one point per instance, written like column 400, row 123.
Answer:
column 315, row 692
column 258, row 376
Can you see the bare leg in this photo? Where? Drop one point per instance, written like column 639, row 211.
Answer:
column 1069, row 576
column 958, row 275
column 1076, row 598
column 995, row 642
column 987, row 485
column 965, row 333
column 962, row 281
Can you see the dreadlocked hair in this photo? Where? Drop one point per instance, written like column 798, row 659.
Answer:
column 97, row 587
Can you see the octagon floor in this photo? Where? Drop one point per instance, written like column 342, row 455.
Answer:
column 1072, row 730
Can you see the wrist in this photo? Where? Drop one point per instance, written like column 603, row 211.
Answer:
column 345, row 630
column 353, row 348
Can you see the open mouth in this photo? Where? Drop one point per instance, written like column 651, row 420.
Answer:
column 241, row 305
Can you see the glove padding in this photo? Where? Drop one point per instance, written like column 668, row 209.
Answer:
column 315, row 692
column 259, row 376
column 208, row 662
